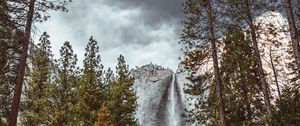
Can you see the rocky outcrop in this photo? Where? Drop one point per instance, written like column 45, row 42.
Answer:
column 159, row 96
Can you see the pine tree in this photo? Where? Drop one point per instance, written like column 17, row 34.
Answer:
column 244, row 12
column 28, row 12
column 243, row 102
column 90, row 87
column 9, row 55
column 37, row 103
column 64, row 91
column 122, row 102
column 294, row 33
column 8, row 70
column 200, row 28
column 103, row 117
column 21, row 69
column 253, row 32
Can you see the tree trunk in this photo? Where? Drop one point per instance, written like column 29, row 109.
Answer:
column 274, row 72
column 293, row 33
column 21, row 69
column 212, row 39
column 263, row 82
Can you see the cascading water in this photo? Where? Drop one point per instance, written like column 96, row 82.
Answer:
column 172, row 119
column 175, row 106
column 161, row 97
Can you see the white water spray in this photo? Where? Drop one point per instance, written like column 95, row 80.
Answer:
column 172, row 117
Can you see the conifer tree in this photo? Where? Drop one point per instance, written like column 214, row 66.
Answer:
column 294, row 33
column 90, row 88
column 239, row 72
column 64, row 92
column 37, row 103
column 21, row 68
column 200, row 28
column 201, row 85
column 25, row 13
column 8, row 70
column 9, row 55
column 8, row 64
column 103, row 117
column 122, row 102
column 243, row 101
column 253, row 34
column 248, row 9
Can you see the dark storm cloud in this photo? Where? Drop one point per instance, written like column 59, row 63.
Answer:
column 156, row 11
column 142, row 30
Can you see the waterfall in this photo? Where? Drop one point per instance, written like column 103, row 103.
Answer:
column 172, row 119
column 175, row 108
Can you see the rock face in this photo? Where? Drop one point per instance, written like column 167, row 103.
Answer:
column 159, row 96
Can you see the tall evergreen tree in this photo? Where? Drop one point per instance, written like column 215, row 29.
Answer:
column 122, row 102
column 200, row 28
column 243, row 12
column 9, row 55
column 243, row 102
column 253, row 34
column 37, row 103
column 25, row 13
column 21, row 69
column 64, row 92
column 90, row 88
column 294, row 33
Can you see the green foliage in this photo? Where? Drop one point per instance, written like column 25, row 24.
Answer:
column 59, row 95
column 243, row 101
column 122, row 97
column 13, row 16
column 64, row 92
column 241, row 88
column 9, row 55
column 103, row 117
column 19, row 10
column 90, row 88
column 197, row 60
column 294, row 78
column 287, row 112
column 37, row 103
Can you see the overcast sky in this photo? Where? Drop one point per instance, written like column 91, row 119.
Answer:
column 143, row 31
